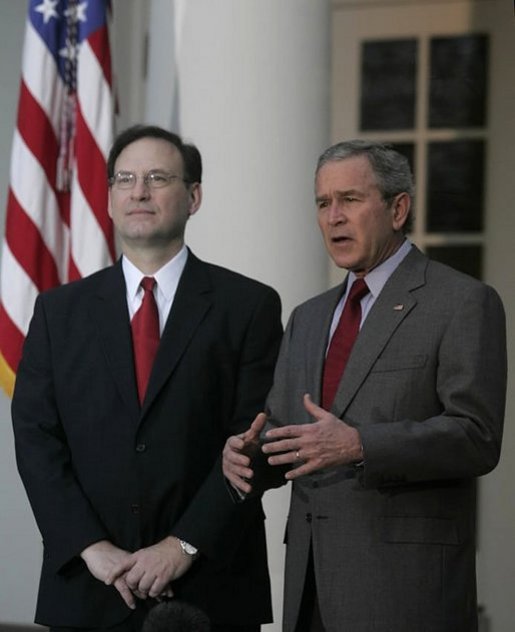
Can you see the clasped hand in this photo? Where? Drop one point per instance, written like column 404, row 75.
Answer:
column 144, row 573
column 327, row 442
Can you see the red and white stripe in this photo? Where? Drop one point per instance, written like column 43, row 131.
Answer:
column 54, row 236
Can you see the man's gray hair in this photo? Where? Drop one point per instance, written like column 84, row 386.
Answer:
column 391, row 168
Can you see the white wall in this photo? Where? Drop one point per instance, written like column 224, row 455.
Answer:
column 496, row 556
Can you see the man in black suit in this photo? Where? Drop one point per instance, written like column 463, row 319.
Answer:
column 126, row 485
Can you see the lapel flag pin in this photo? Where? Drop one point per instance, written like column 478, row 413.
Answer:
column 399, row 307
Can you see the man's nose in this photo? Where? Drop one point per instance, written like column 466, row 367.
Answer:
column 141, row 190
column 335, row 213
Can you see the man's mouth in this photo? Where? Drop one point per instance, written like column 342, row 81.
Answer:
column 140, row 211
column 340, row 239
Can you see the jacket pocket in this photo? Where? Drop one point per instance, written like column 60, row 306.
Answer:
column 400, row 363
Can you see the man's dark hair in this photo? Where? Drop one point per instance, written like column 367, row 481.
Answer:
column 176, row 616
column 392, row 169
column 191, row 157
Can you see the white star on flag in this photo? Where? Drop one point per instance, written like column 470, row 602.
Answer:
column 77, row 12
column 70, row 51
column 47, row 9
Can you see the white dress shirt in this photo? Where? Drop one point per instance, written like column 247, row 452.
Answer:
column 167, row 279
column 376, row 279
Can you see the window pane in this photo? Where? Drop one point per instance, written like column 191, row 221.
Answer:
column 388, row 71
column 468, row 259
column 408, row 151
column 459, row 67
column 455, row 186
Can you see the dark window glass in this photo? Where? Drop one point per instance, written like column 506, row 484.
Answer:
column 457, row 93
column 388, row 71
column 408, row 151
column 455, row 186
column 468, row 259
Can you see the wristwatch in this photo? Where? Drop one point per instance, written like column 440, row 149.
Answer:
column 188, row 548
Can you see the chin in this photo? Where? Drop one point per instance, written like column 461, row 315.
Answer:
column 341, row 262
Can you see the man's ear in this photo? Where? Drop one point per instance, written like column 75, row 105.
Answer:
column 400, row 208
column 195, row 191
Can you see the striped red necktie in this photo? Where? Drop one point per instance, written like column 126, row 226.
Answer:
column 342, row 342
column 145, row 336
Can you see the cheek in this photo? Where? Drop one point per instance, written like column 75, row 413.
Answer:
column 115, row 203
column 322, row 224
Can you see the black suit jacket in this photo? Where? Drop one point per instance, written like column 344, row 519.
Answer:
column 97, row 465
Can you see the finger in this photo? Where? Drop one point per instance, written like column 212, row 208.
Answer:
column 284, row 458
column 167, row 592
column 125, row 593
column 234, row 444
column 147, row 583
column 157, row 587
column 133, row 578
column 257, row 425
column 315, row 411
column 118, row 570
column 281, row 445
column 236, row 468
column 301, row 470
column 284, row 432
column 236, row 457
column 240, row 484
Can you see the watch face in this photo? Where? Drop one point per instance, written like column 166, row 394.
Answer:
column 188, row 548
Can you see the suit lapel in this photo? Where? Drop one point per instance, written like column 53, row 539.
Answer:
column 110, row 313
column 191, row 303
column 392, row 306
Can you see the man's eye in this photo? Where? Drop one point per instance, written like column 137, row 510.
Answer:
column 157, row 177
column 124, row 178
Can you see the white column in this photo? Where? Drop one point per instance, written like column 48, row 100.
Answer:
column 253, row 95
column 496, row 544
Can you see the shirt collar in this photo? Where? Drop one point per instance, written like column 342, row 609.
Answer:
column 167, row 277
column 376, row 279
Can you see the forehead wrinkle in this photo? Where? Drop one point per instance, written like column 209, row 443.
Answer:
column 340, row 193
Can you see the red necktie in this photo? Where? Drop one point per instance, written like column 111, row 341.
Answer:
column 342, row 342
column 145, row 336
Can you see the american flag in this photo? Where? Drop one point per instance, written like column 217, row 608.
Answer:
column 57, row 226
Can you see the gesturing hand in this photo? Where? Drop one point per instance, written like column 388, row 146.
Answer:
column 237, row 452
column 327, row 442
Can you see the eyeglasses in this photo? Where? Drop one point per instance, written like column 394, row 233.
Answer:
column 152, row 179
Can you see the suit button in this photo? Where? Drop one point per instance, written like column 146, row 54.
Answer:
column 141, row 447
column 309, row 517
column 135, row 509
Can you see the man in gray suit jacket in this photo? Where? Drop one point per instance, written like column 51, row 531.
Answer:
column 381, row 529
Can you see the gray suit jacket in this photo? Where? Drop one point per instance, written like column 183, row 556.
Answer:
column 394, row 541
